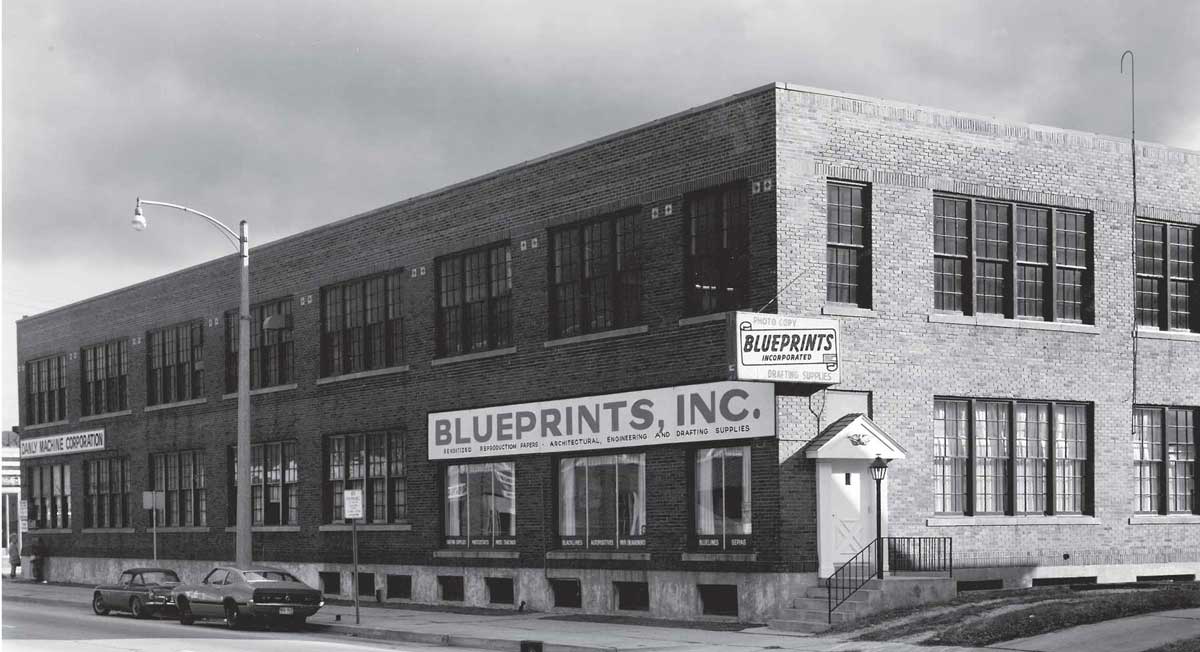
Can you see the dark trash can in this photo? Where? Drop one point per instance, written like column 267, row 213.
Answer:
column 531, row 646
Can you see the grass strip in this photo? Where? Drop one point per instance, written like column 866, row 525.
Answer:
column 1186, row 645
column 1050, row 617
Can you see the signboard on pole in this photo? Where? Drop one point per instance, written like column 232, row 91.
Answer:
column 23, row 515
column 352, row 503
column 153, row 500
column 786, row 349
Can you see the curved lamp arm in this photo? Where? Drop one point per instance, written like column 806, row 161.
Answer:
column 228, row 232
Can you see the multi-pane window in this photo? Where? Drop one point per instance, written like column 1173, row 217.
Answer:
column 1011, row 457
column 848, row 252
column 602, row 501
column 595, row 276
column 370, row 462
column 179, row 478
column 49, row 489
column 106, row 489
column 46, row 390
column 1166, row 288
column 1015, row 260
column 1166, row 459
column 274, row 484
column 717, row 248
column 362, row 325
column 474, row 300
column 104, row 372
column 722, row 477
column 481, row 505
column 270, row 348
column 175, row 363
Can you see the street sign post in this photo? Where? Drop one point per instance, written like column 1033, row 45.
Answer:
column 352, row 508
column 23, row 515
column 153, row 501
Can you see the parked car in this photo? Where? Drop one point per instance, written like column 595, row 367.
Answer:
column 142, row 592
column 242, row 594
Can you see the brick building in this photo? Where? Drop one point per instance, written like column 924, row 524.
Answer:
column 981, row 274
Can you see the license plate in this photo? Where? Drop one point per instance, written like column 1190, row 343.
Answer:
column 285, row 611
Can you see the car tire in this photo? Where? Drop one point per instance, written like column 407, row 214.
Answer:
column 233, row 616
column 185, row 612
column 98, row 605
column 137, row 608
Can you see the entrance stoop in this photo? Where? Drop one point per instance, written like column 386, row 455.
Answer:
column 810, row 613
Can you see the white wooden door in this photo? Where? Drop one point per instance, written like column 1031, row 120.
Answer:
column 848, row 518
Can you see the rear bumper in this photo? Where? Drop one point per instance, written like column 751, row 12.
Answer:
column 277, row 610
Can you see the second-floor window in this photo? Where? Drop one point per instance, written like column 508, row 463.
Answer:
column 46, row 390
column 362, row 326
column 106, row 490
column 717, row 249
column 105, row 383
column 180, row 478
column 1168, row 294
column 175, row 363
column 1014, row 260
column 474, row 300
column 848, row 252
column 270, row 348
column 595, row 276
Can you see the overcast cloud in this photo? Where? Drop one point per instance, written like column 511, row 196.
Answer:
column 293, row 114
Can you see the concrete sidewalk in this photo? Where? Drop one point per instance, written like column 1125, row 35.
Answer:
column 1132, row 634
column 505, row 632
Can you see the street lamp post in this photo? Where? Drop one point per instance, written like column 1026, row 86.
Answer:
column 878, row 471
column 241, row 240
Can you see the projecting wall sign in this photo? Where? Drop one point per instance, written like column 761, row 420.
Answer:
column 64, row 444
column 786, row 349
column 668, row 415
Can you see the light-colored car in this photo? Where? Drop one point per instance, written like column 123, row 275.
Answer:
column 242, row 594
column 142, row 592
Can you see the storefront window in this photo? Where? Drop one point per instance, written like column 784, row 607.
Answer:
column 481, row 505
column 602, row 501
column 723, row 497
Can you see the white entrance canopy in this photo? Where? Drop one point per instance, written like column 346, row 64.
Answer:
column 854, row 437
column 846, row 503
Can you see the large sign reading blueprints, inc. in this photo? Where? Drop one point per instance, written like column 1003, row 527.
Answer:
column 786, row 349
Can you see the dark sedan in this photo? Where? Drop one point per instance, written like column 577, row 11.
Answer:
column 241, row 594
column 142, row 592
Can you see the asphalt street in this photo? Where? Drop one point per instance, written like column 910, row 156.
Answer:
column 29, row 627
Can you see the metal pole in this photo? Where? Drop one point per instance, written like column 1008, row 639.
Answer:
column 879, row 525
column 154, row 524
column 243, row 408
column 354, row 545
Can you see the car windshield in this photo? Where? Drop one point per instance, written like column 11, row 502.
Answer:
column 159, row 577
column 268, row 576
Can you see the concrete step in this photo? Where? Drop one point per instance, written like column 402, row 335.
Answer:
column 857, row 601
column 798, row 626
column 819, row 590
column 815, row 615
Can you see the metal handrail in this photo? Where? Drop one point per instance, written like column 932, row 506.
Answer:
column 904, row 555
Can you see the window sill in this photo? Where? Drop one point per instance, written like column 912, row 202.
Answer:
column 702, row 319
column 268, row 528
column 109, row 530
column 598, row 554
column 719, row 556
column 359, row 375
column 51, row 530
column 1164, row 519
column 105, row 415
column 177, row 404
column 366, row 527
column 977, row 521
column 846, row 310
column 468, row 357
column 1002, row 322
column 477, row 553
column 1182, row 336
column 263, row 390
column 593, row 337
column 175, row 529
column 49, row 424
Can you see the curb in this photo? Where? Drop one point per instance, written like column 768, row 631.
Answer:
column 379, row 633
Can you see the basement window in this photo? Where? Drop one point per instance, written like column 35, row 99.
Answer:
column 719, row 599
column 331, row 582
column 500, row 589
column 399, row 587
column 567, row 593
column 451, row 587
column 632, row 596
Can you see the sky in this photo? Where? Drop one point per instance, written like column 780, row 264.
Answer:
column 296, row 113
